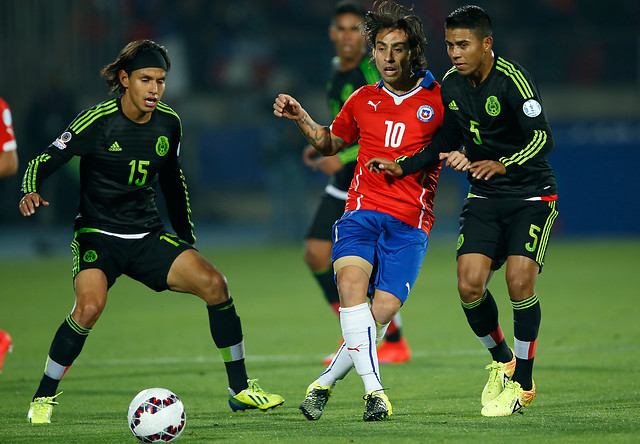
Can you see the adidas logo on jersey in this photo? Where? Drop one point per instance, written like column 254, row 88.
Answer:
column 115, row 147
column 453, row 106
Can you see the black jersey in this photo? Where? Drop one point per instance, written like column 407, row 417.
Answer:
column 121, row 162
column 501, row 119
column 340, row 86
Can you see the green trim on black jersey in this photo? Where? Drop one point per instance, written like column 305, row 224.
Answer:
column 539, row 140
column 370, row 72
column 546, row 231
column 167, row 109
column 90, row 116
column 186, row 198
column 516, row 75
column 451, row 71
column 29, row 179
column 75, row 249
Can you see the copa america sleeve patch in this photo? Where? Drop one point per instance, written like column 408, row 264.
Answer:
column 61, row 142
column 532, row 108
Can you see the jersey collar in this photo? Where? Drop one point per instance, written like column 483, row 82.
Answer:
column 426, row 82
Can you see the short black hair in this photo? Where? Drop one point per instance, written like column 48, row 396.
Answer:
column 470, row 17
column 390, row 15
column 349, row 7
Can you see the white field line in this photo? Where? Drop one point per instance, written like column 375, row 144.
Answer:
column 313, row 357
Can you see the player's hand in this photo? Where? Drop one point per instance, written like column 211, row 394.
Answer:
column 485, row 169
column 456, row 160
column 30, row 202
column 287, row 106
column 311, row 157
column 381, row 165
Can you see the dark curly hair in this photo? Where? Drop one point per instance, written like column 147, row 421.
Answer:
column 389, row 14
column 110, row 72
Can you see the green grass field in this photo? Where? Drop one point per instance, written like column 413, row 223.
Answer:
column 587, row 364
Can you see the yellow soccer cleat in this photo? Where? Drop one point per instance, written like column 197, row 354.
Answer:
column 253, row 397
column 40, row 409
column 313, row 404
column 499, row 373
column 377, row 407
column 512, row 399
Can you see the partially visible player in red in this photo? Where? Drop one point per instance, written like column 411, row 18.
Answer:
column 381, row 240
column 8, row 153
column 8, row 166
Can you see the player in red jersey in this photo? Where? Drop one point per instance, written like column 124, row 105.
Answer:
column 8, row 153
column 381, row 240
column 8, row 166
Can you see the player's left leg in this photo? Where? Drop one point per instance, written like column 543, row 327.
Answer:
column 521, row 276
column 192, row 273
column 527, row 240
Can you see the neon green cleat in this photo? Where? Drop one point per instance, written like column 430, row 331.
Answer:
column 40, row 409
column 253, row 397
column 499, row 374
column 377, row 407
column 313, row 404
column 512, row 399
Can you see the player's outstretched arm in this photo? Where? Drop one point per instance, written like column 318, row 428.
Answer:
column 381, row 165
column 30, row 202
column 320, row 137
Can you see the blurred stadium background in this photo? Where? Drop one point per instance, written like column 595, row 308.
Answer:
column 243, row 166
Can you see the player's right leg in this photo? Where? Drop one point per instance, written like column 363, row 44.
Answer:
column 91, row 297
column 481, row 251
column 481, row 312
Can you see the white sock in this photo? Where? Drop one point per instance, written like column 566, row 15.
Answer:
column 359, row 333
column 342, row 364
column 338, row 369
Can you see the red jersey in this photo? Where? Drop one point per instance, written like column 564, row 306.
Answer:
column 7, row 137
column 389, row 125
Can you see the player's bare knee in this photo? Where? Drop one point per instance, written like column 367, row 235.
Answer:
column 313, row 259
column 520, row 288
column 470, row 290
column 87, row 313
column 214, row 289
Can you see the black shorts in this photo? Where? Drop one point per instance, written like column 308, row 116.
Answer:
column 498, row 228
column 146, row 260
column 329, row 211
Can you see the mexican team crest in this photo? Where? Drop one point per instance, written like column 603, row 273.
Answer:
column 162, row 146
column 492, row 106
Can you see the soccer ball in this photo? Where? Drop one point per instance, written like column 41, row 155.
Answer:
column 156, row 415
